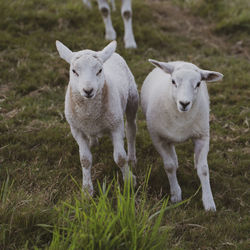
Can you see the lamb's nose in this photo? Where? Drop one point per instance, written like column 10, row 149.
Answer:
column 184, row 104
column 88, row 92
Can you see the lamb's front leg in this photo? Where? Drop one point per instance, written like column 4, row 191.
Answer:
column 126, row 12
column 200, row 158
column 170, row 161
column 120, row 156
column 85, row 159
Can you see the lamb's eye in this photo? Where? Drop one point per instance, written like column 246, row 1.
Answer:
column 75, row 72
column 173, row 82
column 99, row 72
column 198, row 84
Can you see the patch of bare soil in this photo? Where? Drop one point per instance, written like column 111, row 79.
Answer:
column 175, row 19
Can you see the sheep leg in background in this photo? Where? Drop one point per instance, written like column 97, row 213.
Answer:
column 170, row 161
column 87, row 3
column 131, row 111
column 110, row 33
column 85, row 159
column 113, row 5
column 200, row 159
column 126, row 12
column 120, row 156
column 93, row 141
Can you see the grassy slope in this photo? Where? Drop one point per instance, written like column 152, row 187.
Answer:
column 39, row 154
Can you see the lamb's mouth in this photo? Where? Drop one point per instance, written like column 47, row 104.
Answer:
column 91, row 96
column 184, row 110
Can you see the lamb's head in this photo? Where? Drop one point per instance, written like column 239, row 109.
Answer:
column 86, row 68
column 186, row 79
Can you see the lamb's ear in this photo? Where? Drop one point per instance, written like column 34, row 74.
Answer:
column 108, row 51
column 210, row 76
column 64, row 52
column 167, row 67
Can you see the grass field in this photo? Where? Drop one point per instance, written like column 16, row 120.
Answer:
column 41, row 206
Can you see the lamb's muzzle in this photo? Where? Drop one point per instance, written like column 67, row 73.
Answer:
column 184, row 105
column 88, row 92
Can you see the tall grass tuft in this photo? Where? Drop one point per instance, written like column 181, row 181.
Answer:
column 114, row 219
column 5, row 190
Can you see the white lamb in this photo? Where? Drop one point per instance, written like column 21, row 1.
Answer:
column 126, row 12
column 176, row 105
column 101, row 88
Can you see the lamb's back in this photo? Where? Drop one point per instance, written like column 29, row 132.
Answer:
column 119, row 79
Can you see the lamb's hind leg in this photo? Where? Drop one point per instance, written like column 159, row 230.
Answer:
column 110, row 33
column 131, row 111
column 93, row 141
column 168, row 154
column 126, row 12
column 120, row 156
column 200, row 158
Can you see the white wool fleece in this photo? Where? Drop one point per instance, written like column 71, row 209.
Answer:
column 175, row 102
column 101, row 88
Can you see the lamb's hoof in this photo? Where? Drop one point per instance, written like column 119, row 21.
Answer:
column 175, row 199
column 176, row 196
column 128, row 178
column 209, row 206
column 212, row 209
column 130, row 44
column 110, row 35
column 88, row 189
